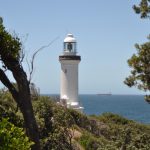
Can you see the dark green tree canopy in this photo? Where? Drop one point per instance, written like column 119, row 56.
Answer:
column 11, row 59
column 140, row 64
column 143, row 8
column 10, row 45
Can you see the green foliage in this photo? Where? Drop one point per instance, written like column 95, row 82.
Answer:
column 11, row 57
column 89, row 142
column 121, row 133
column 113, row 118
column 140, row 64
column 57, row 126
column 12, row 137
column 80, row 119
column 43, row 113
column 147, row 98
column 6, row 100
column 143, row 8
column 105, row 132
column 9, row 109
column 10, row 46
column 55, row 122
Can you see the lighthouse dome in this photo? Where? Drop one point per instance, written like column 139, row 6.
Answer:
column 69, row 38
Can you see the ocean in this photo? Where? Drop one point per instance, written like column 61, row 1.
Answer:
column 132, row 107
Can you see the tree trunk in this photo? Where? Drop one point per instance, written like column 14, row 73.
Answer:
column 11, row 58
column 22, row 97
column 26, row 105
column 29, row 120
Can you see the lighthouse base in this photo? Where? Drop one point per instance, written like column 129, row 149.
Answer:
column 73, row 105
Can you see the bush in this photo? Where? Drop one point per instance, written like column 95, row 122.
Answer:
column 89, row 142
column 113, row 118
column 58, row 125
column 9, row 109
column 12, row 137
column 55, row 124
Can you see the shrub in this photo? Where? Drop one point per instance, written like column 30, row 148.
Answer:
column 55, row 124
column 12, row 137
column 9, row 109
column 113, row 118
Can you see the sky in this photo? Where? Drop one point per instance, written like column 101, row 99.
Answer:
column 106, row 32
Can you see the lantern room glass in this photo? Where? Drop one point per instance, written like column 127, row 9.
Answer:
column 70, row 47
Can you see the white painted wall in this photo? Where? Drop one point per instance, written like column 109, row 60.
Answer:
column 69, row 80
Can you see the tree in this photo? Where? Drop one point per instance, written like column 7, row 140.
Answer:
column 140, row 62
column 143, row 8
column 11, row 59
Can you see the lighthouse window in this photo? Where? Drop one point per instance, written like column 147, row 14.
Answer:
column 69, row 46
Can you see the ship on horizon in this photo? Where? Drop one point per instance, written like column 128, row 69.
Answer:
column 105, row 94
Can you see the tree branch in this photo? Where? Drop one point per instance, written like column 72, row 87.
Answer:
column 4, row 79
column 34, row 55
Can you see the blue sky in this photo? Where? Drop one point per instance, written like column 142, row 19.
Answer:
column 105, row 31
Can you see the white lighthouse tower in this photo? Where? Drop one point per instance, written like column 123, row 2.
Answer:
column 69, row 74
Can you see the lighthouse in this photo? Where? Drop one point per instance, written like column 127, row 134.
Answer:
column 69, row 61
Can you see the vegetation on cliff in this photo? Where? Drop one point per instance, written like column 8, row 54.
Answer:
column 65, row 129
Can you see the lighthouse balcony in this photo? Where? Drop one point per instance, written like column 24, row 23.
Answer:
column 69, row 57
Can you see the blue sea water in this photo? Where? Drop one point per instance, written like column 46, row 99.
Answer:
column 130, row 106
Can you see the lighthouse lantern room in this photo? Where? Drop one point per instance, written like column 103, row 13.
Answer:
column 69, row 74
column 69, row 45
